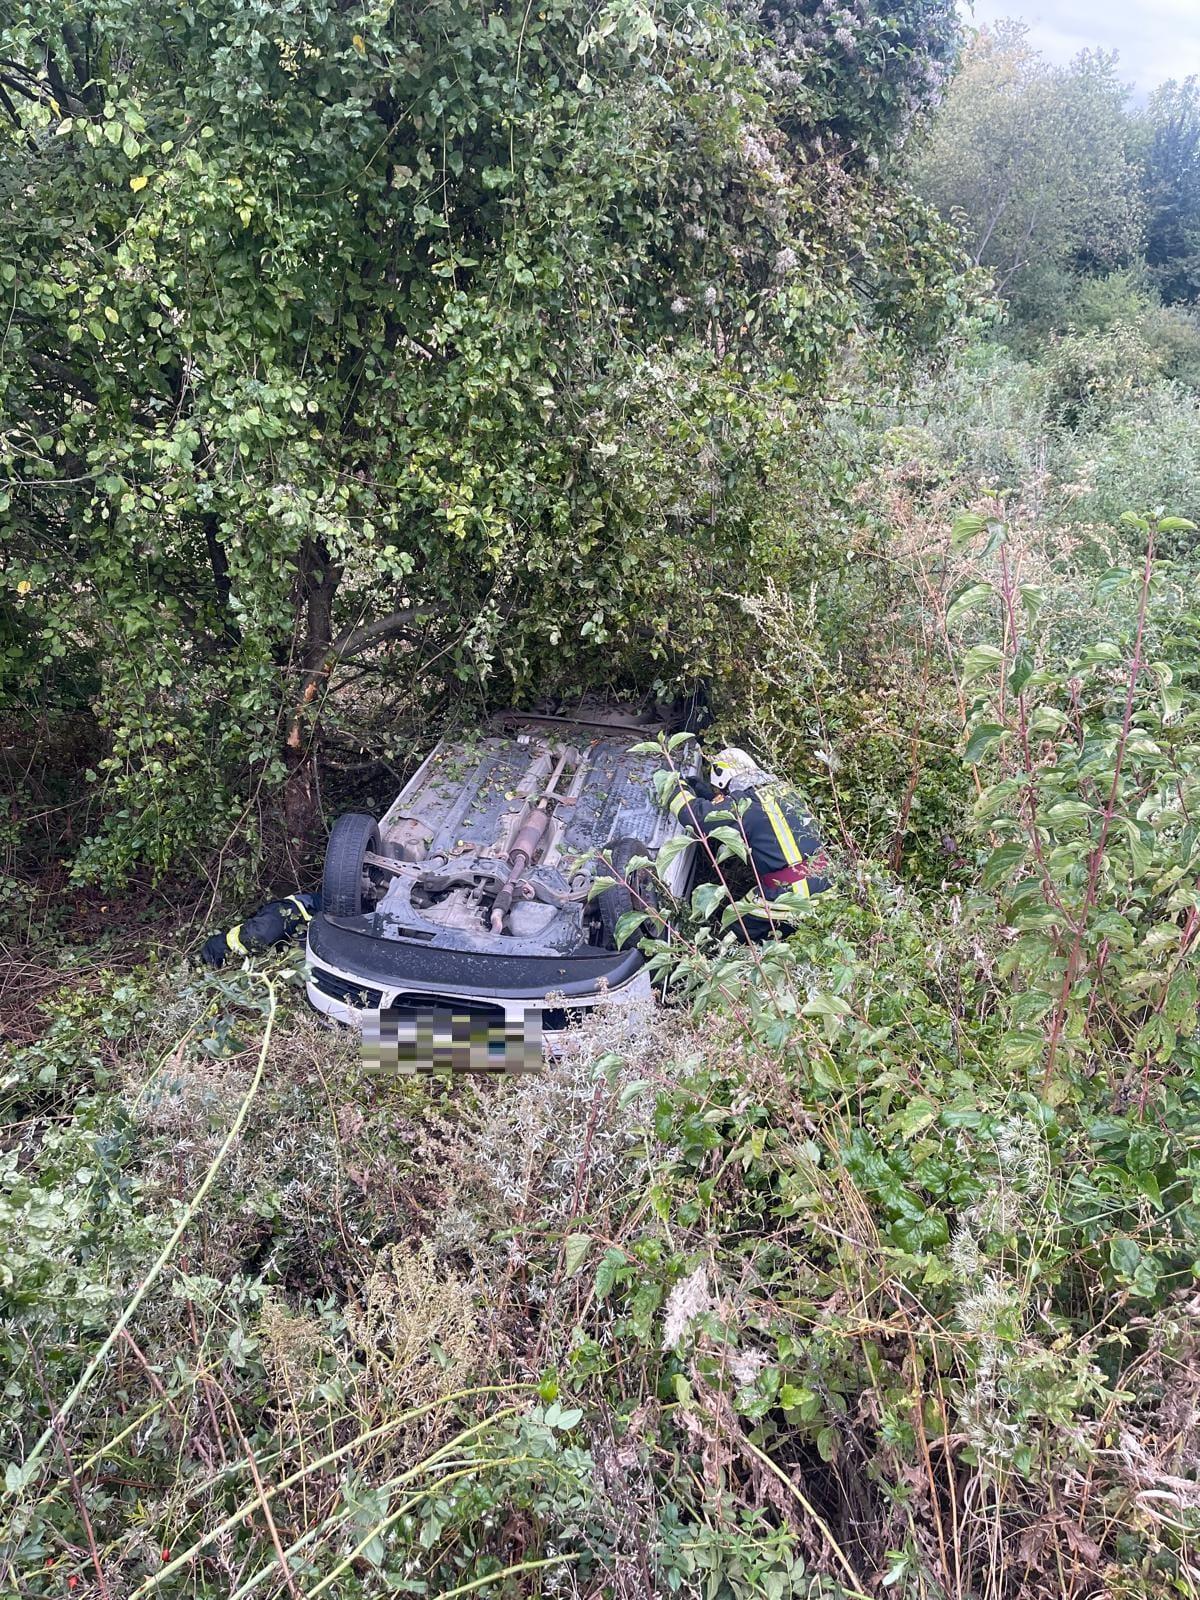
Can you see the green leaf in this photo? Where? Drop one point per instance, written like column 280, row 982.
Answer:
column 1068, row 813
column 1124, row 1255
column 1146, row 1277
column 1022, row 671
column 825, row 1005
column 576, row 1252
column 982, row 738
column 671, row 848
column 1021, row 1046
column 1032, row 598
column 1112, row 581
column 967, row 525
column 997, row 536
column 1102, row 650
column 831, row 1008
column 732, row 841
column 706, row 897
column 979, row 659
column 967, row 600
column 1001, row 863
column 629, row 923
column 613, row 1265
column 1118, row 930
column 916, row 1116
column 807, row 1401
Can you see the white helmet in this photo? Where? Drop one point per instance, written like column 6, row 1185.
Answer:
column 734, row 769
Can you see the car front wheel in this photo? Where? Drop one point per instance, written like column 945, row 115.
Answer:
column 349, row 887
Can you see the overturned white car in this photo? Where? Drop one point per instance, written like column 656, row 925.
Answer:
column 473, row 894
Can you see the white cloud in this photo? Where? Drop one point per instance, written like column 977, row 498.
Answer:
column 1155, row 39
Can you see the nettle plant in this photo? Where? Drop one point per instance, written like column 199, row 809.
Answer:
column 1089, row 806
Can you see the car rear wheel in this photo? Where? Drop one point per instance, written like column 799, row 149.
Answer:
column 350, row 887
column 634, row 891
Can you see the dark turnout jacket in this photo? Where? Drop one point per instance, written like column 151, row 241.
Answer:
column 271, row 925
column 785, row 849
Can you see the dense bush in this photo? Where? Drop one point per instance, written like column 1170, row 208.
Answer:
column 1147, row 454
column 319, row 346
column 1168, row 144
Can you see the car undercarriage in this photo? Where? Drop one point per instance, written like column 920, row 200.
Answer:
column 481, row 879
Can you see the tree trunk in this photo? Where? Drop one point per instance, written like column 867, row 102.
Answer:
column 313, row 654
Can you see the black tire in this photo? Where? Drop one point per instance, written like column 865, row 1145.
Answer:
column 347, row 889
column 633, row 893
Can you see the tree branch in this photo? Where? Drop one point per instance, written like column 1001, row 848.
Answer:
column 353, row 641
column 89, row 91
column 66, row 100
column 218, row 563
column 62, row 373
column 9, row 107
column 39, row 93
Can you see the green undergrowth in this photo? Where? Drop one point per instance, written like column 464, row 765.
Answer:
column 799, row 1287
column 865, row 1264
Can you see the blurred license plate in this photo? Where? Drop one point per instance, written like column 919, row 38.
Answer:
column 412, row 1039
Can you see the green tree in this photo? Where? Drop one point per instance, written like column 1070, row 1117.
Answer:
column 1031, row 160
column 1169, row 146
column 426, row 333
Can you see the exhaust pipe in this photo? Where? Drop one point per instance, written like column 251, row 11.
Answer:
column 525, row 847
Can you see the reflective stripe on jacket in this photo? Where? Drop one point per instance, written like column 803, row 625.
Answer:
column 272, row 924
column 778, row 830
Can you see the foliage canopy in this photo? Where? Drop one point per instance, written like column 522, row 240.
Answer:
column 1033, row 160
column 1170, row 153
column 868, row 1265
column 476, row 337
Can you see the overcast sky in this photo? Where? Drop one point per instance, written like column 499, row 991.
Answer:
column 1156, row 39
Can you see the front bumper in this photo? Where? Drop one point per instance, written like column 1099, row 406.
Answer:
column 352, row 974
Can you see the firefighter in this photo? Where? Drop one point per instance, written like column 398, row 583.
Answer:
column 271, row 925
column 785, row 850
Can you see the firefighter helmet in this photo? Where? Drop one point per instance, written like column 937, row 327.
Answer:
column 734, row 769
